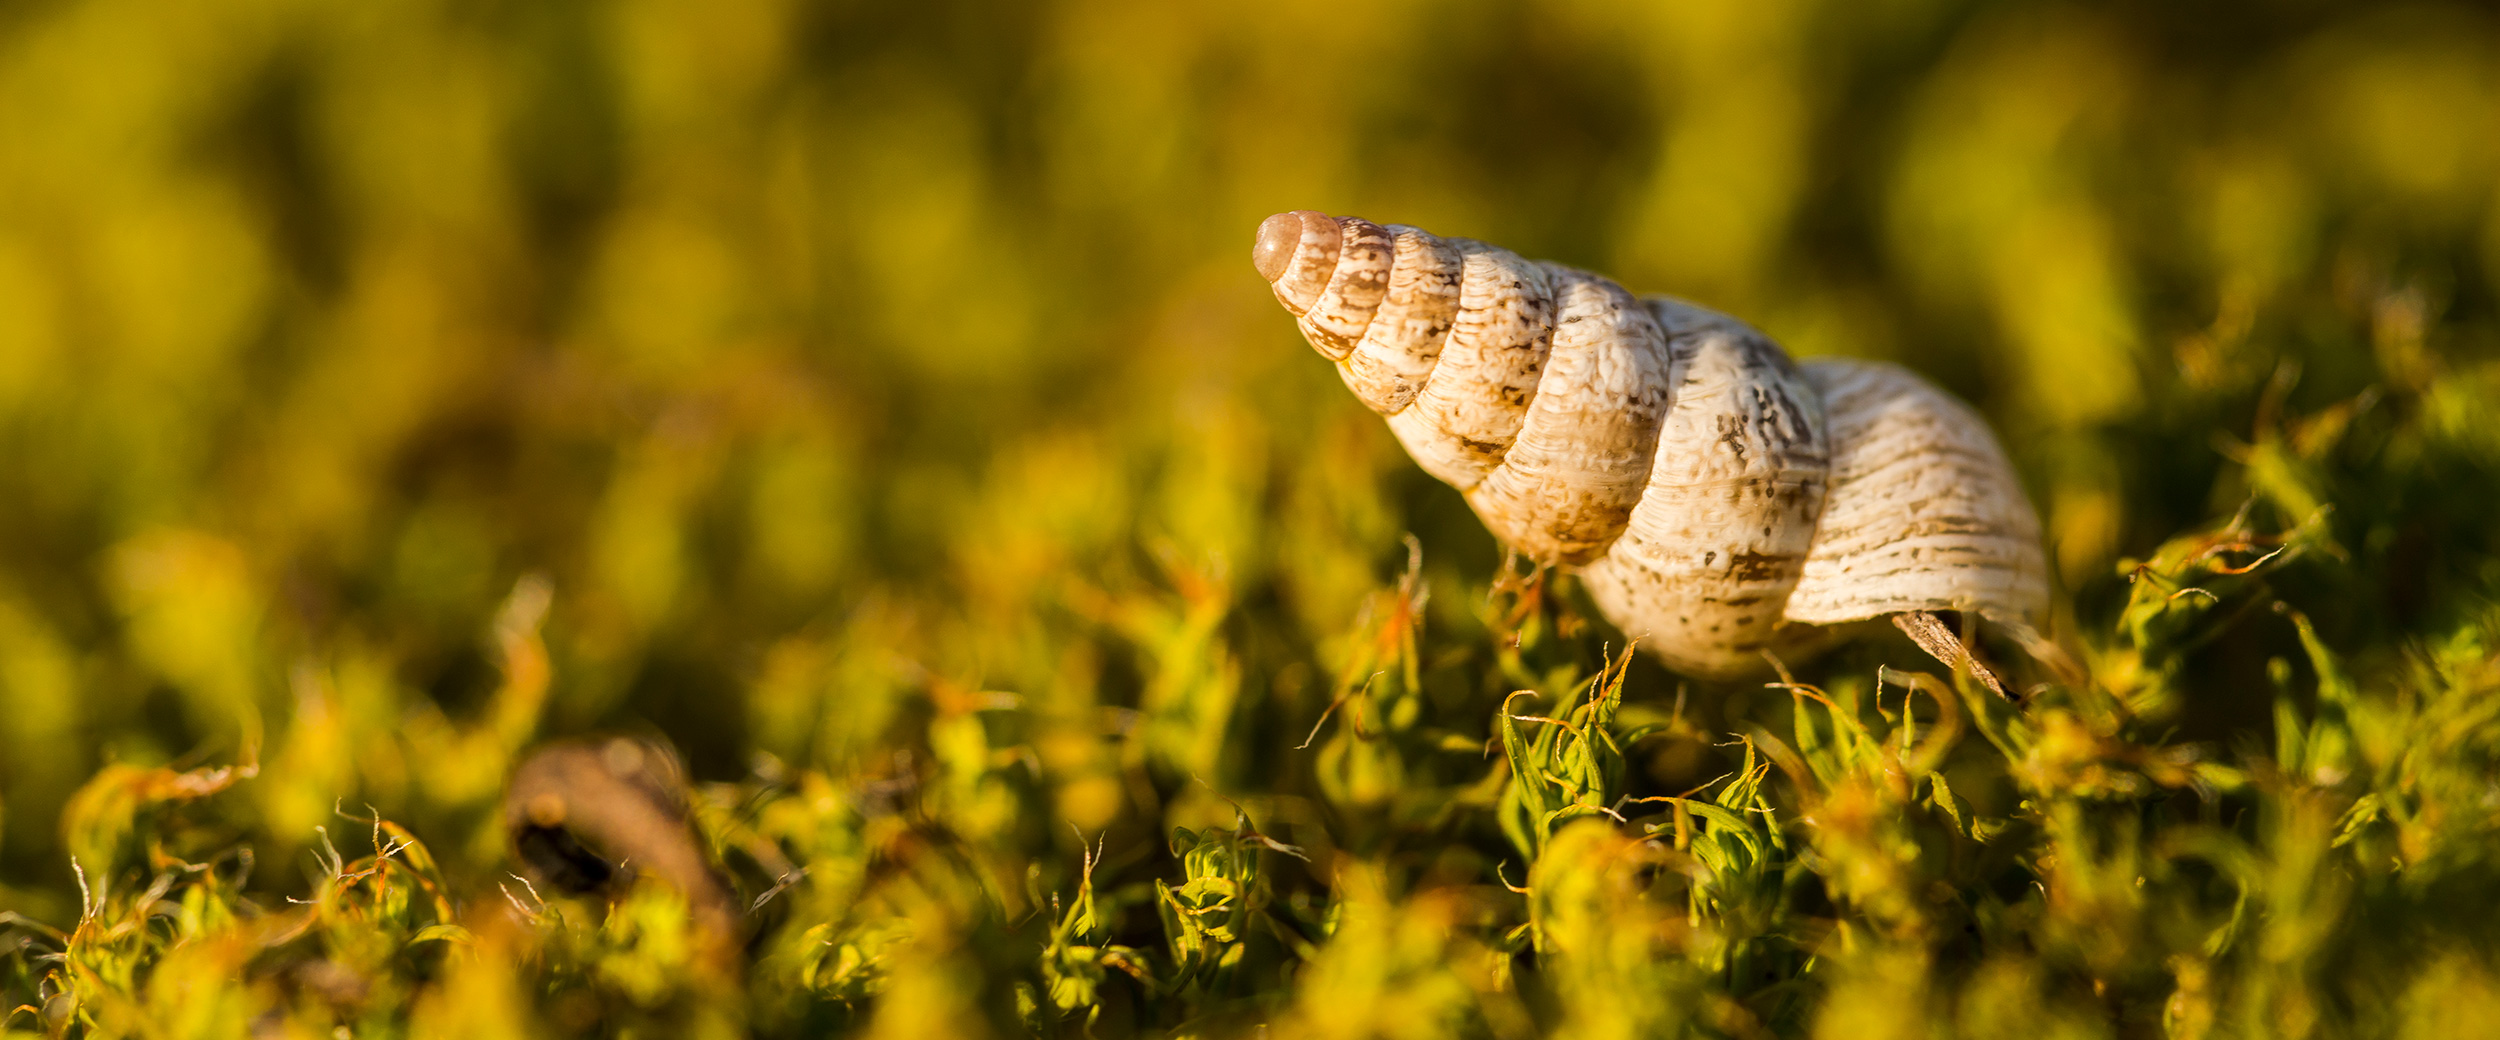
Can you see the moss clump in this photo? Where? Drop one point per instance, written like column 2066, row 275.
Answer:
column 874, row 403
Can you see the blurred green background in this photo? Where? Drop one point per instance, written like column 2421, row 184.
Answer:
column 816, row 361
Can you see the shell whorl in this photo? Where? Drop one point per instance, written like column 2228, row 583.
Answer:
column 1714, row 496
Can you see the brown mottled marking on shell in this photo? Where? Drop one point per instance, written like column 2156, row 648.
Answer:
column 1470, row 409
column 1314, row 262
column 1703, row 570
column 1344, row 309
column 1567, row 485
column 1398, row 351
column 1925, row 512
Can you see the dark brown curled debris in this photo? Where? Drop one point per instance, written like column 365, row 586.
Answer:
column 589, row 816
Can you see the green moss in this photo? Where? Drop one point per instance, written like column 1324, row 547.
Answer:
column 875, row 402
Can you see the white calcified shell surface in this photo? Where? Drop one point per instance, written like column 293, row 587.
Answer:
column 1716, row 498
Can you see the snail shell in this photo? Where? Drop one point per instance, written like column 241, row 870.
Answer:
column 1716, row 498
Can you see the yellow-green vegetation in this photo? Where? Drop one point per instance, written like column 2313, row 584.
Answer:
column 876, row 401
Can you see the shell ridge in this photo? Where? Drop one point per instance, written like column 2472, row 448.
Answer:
column 1344, row 310
column 1401, row 347
column 1468, row 414
column 1566, row 488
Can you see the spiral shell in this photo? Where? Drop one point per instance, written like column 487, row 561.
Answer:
column 1716, row 498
